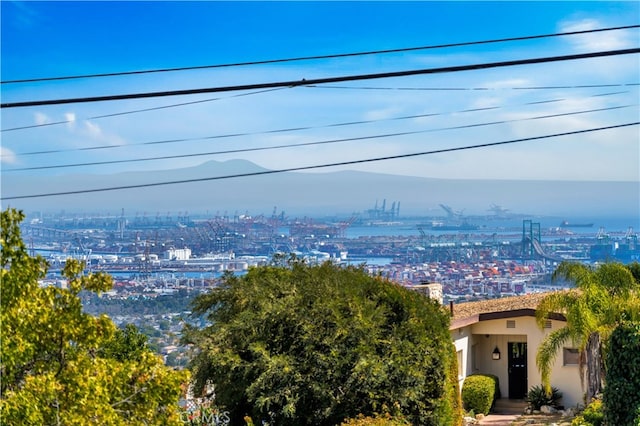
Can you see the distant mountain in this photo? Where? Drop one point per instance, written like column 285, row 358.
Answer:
column 315, row 193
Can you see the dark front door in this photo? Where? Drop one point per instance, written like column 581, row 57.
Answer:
column 517, row 370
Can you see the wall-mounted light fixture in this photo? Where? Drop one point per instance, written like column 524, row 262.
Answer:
column 496, row 353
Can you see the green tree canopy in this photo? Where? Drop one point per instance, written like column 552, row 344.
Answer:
column 127, row 343
column 603, row 297
column 621, row 398
column 63, row 366
column 315, row 345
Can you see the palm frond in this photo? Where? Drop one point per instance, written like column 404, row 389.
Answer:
column 603, row 297
column 581, row 319
column 556, row 302
column 548, row 350
column 573, row 272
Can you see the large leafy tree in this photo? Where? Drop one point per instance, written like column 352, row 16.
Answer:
column 63, row 366
column 603, row 298
column 314, row 345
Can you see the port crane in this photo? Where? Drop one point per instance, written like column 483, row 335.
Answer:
column 452, row 214
column 381, row 213
column 498, row 211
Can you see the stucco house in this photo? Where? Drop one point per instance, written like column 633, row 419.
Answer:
column 501, row 337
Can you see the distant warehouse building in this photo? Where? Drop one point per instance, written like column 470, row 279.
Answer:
column 177, row 254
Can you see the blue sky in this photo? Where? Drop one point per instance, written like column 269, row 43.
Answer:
column 48, row 39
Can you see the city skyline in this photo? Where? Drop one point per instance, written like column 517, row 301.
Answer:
column 419, row 113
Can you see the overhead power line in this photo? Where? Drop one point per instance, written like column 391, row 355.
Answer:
column 460, row 89
column 304, row 82
column 115, row 114
column 316, row 57
column 297, row 145
column 300, row 128
column 317, row 166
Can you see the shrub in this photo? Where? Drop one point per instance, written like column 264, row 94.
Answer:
column 496, row 381
column 317, row 344
column 579, row 421
column 621, row 395
column 537, row 397
column 478, row 393
column 453, row 392
column 591, row 416
column 377, row 420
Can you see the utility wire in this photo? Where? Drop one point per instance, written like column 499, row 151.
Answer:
column 139, row 110
column 292, row 129
column 306, row 58
column 304, row 82
column 447, row 89
column 317, row 166
column 325, row 142
column 33, row 126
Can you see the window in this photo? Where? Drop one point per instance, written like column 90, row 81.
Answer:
column 570, row 356
column 511, row 323
column 460, row 371
column 547, row 324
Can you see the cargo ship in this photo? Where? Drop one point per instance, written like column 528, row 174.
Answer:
column 443, row 226
column 567, row 224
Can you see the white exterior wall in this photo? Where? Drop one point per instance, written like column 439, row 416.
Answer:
column 481, row 338
column 461, row 340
